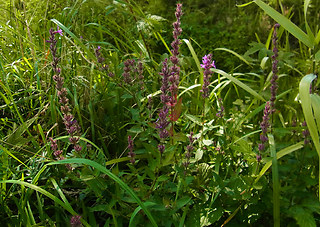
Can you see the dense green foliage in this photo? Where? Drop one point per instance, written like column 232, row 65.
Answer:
column 212, row 172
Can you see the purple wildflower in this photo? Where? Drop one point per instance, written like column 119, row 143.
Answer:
column 71, row 125
column 161, row 148
column 175, row 69
column 264, row 125
column 207, row 64
column 305, row 133
column 188, row 153
column 258, row 157
column 164, row 97
column 101, row 61
column 270, row 106
column 162, row 123
column 75, row 221
column 59, row 31
column 131, row 154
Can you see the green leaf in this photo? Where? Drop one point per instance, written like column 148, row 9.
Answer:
column 317, row 55
column 303, row 216
column 48, row 194
column 199, row 154
column 310, row 34
column 111, row 175
column 317, row 40
column 239, row 83
column 286, row 23
column 194, row 119
column 305, row 98
column 136, row 211
column 195, row 58
column 280, row 154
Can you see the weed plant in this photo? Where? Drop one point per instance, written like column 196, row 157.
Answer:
column 106, row 120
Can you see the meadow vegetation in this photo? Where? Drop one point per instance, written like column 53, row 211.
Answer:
column 159, row 113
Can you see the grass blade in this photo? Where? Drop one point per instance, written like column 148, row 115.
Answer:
column 112, row 176
column 235, row 54
column 46, row 193
column 280, row 154
column 78, row 41
column 286, row 23
column 305, row 98
column 239, row 83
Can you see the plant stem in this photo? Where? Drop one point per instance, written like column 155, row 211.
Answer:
column 275, row 182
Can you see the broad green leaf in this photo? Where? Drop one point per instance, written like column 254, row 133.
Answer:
column 305, row 98
column 286, row 23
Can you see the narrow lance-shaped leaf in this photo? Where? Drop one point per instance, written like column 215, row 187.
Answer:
column 286, row 23
column 305, row 98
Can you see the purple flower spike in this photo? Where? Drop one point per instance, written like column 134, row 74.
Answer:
column 265, row 125
column 59, row 31
column 190, row 148
column 131, row 154
column 71, row 125
column 175, row 69
column 207, row 64
column 75, row 221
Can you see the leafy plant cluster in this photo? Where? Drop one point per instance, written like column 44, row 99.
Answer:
column 107, row 119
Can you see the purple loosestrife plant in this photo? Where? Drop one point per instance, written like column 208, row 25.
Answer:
column 270, row 106
column 305, row 133
column 175, row 69
column 101, row 60
column 207, row 64
column 162, row 121
column 131, row 154
column 70, row 123
column 188, row 153
column 128, row 71
column 75, row 221
column 264, row 125
column 164, row 97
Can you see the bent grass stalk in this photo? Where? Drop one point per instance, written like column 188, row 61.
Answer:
column 98, row 167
